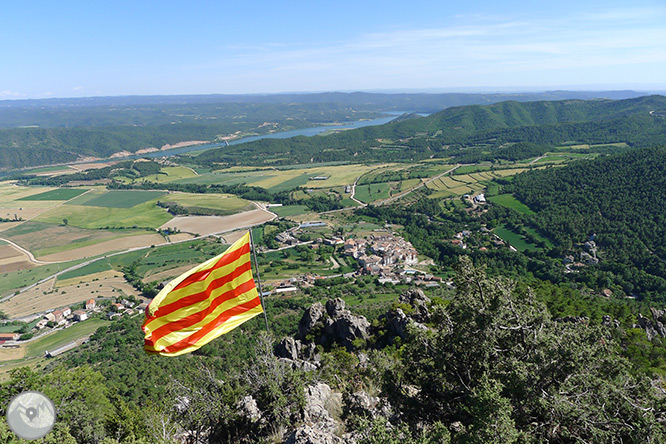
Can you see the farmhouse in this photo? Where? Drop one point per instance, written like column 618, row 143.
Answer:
column 9, row 336
column 80, row 315
column 90, row 305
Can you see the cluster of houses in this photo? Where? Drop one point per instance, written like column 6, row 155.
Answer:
column 386, row 256
column 587, row 257
column 380, row 254
column 64, row 317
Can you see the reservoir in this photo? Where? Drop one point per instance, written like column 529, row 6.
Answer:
column 280, row 135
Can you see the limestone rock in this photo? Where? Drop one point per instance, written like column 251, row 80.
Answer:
column 310, row 318
column 653, row 328
column 248, row 408
column 339, row 324
column 417, row 299
column 306, row 434
column 288, row 348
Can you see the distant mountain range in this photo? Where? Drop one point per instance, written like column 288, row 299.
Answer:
column 40, row 132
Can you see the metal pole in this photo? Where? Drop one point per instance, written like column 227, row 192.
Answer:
column 256, row 269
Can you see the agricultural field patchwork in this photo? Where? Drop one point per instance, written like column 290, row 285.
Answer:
column 225, row 203
column 122, row 199
column 57, row 194
column 143, row 215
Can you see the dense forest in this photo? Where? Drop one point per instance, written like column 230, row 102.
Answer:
column 618, row 202
column 468, row 134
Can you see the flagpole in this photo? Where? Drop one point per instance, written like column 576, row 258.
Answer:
column 256, row 268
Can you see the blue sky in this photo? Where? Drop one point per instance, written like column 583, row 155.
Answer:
column 92, row 48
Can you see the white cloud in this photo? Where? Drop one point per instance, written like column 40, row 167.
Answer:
column 7, row 93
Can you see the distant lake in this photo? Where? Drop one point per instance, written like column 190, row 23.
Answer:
column 279, row 135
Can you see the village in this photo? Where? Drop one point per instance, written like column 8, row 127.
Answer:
column 65, row 317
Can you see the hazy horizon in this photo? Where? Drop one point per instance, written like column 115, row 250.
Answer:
column 68, row 49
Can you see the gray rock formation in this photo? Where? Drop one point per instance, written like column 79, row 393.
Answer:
column 322, row 407
column 306, row 434
column 339, row 324
column 419, row 301
column 288, row 348
column 398, row 321
column 248, row 408
column 653, row 328
column 311, row 317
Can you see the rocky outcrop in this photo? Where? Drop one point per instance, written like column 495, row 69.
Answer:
column 297, row 354
column 323, row 407
column 249, row 409
column 334, row 324
column 653, row 328
column 398, row 321
column 419, row 302
column 313, row 315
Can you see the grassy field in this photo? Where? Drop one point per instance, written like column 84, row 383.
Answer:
column 172, row 256
column 20, row 279
column 509, row 201
column 285, row 185
column 95, row 267
column 171, row 174
column 466, row 169
column 57, row 194
column 142, row 215
column 123, row 199
column 225, row 202
column 373, row 192
column 45, row 238
column 516, row 240
column 538, row 236
column 63, row 337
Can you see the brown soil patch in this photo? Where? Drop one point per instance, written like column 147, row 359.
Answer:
column 16, row 266
column 218, row 224
column 12, row 259
column 8, row 252
column 123, row 243
column 168, row 274
column 43, row 297
column 180, row 237
column 91, row 166
column 22, row 212
column 102, row 275
column 10, row 354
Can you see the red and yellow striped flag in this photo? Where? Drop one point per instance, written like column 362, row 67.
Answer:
column 203, row 303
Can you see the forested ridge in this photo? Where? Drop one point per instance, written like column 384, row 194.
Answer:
column 468, row 134
column 619, row 200
column 32, row 136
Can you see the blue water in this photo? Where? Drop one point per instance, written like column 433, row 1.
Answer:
column 281, row 135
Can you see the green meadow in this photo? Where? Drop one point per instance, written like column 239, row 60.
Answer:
column 57, row 194
column 123, row 199
column 509, row 201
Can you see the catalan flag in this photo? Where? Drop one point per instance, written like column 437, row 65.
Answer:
column 203, row 303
